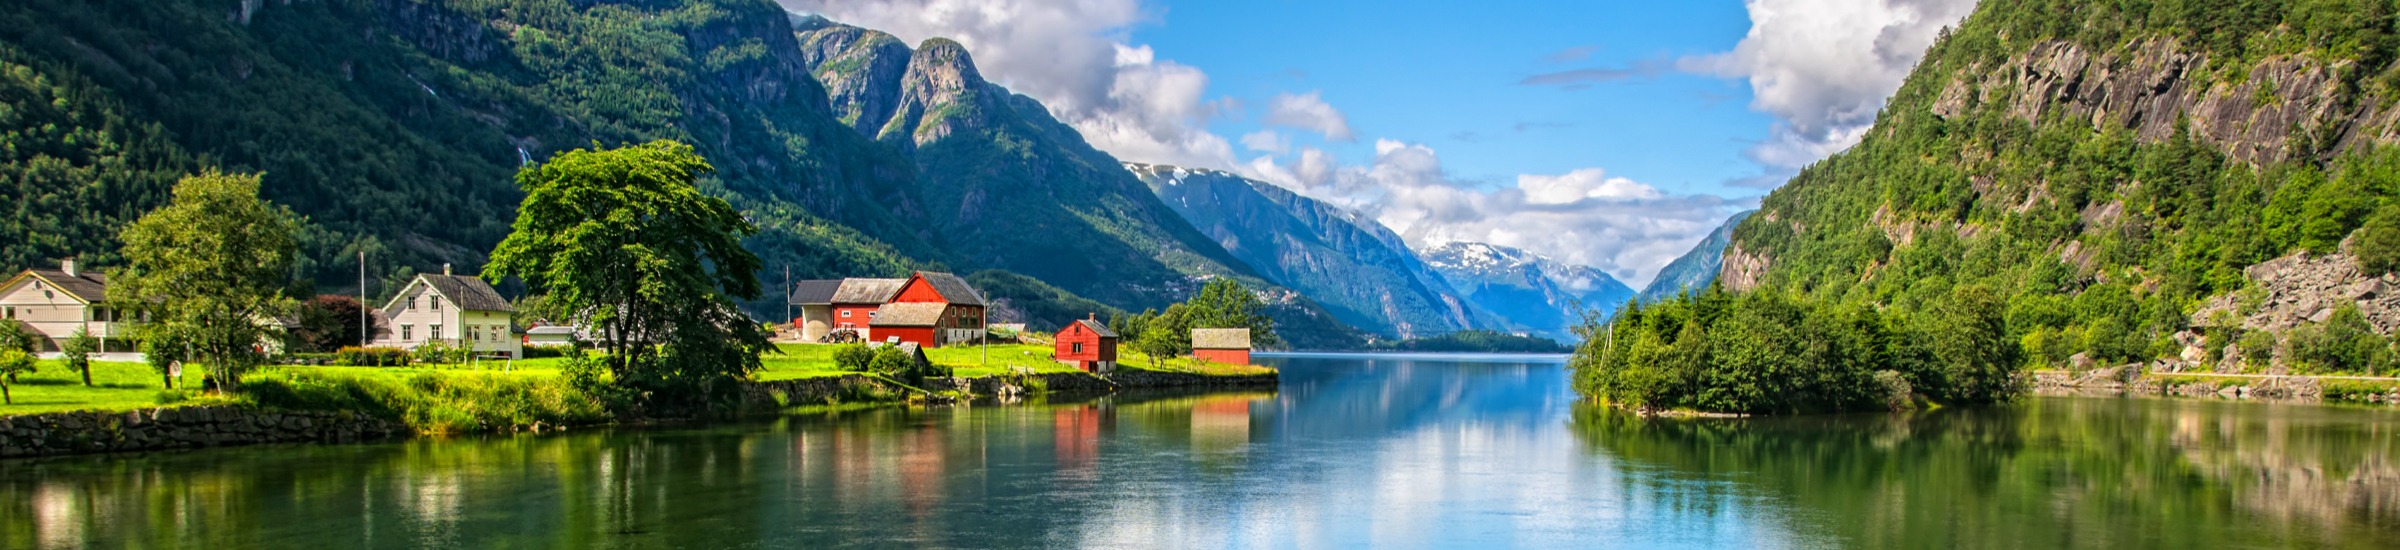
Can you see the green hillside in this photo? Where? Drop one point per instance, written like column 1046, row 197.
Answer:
column 2108, row 168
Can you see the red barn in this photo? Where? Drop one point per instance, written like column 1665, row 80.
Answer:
column 1222, row 345
column 1087, row 345
column 930, row 309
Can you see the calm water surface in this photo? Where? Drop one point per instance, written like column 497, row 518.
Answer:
column 1352, row 451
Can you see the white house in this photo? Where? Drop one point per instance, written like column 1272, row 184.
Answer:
column 52, row 303
column 457, row 311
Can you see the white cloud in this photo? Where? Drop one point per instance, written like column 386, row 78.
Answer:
column 1267, row 141
column 1073, row 56
column 1582, row 217
column 1824, row 68
column 1308, row 112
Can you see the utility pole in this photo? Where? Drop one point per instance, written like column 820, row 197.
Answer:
column 366, row 330
column 787, row 299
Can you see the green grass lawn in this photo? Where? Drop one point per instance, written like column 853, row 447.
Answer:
column 128, row 386
column 115, row 387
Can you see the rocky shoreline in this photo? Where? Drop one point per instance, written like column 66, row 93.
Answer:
column 170, row 428
column 2126, row 380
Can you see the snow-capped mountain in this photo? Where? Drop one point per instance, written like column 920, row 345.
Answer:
column 1531, row 290
column 1349, row 263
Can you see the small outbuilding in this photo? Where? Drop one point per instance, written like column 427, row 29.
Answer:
column 1222, row 345
column 815, row 299
column 1088, row 345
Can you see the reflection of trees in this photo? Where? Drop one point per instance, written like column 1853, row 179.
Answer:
column 2050, row 472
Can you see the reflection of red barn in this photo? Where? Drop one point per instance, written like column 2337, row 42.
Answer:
column 1087, row 345
column 1222, row 345
column 931, row 310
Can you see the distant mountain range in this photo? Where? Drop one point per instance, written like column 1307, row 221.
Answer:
column 1539, row 294
column 1697, row 268
column 1354, row 266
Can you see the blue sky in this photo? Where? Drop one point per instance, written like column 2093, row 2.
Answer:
column 1423, row 72
column 1609, row 134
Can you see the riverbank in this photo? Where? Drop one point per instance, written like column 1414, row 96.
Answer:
column 221, row 425
column 2339, row 389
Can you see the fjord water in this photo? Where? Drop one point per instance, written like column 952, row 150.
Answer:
column 1352, row 451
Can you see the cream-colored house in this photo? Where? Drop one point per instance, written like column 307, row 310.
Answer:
column 455, row 310
column 54, row 302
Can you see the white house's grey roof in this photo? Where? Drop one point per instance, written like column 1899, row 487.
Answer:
column 469, row 293
column 1220, row 338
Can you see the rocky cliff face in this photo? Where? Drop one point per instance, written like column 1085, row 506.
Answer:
column 1537, row 293
column 2280, row 106
column 858, row 66
column 1361, row 271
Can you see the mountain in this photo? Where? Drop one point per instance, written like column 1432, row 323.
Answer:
column 1354, row 266
column 1697, row 268
column 1005, row 184
column 2107, row 167
column 1537, row 293
column 394, row 128
column 1009, row 187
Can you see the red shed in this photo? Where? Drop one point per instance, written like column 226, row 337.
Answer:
column 855, row 300
column 1087, row 345
column 1222, row 345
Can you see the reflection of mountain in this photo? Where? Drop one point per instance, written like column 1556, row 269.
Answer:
column 2063, row 471
column 1347, row 398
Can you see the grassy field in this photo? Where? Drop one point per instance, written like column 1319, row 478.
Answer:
column 128, row 386
column 115, row 387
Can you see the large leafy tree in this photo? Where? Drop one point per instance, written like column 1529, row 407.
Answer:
column 211, row 267
column 1226, row 303
column 624, row 241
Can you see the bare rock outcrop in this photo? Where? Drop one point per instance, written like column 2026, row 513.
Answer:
column 2300, row 288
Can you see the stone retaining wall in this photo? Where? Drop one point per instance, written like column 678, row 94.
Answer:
column 181, row 428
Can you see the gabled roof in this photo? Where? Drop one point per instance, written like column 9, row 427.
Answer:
column 1220, row 338
column 908, row 314
column 867, row 291
column 469, row 293
column 954, row 289
column 1096, row 328
column 815, row 292
column 86, row 286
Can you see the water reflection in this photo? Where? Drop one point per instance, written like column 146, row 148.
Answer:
column 1403, row 452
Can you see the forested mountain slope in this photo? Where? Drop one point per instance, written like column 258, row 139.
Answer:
column 1361, row 271
column 2106, row 167
column 395, row 126
column 1010, row 186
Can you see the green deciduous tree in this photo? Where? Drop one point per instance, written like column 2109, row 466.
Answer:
column 163, row 347
column 77, row 352
column 211, row 266
column 13, row 361
column 624, row 240
column 1225, row 303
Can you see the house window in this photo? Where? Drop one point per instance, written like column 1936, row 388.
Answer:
column 474, row 333
column 407, row 332
column 12, row 313
column 1078, row 348
column 433, row 331
column 100, row 314
column 437, row 304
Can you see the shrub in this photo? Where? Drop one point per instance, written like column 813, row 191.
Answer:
column 372, row 357
column 853, row 357
column 2378, row 243
column 2258, row 348
column 431, row 403
column 889, row 360
column 546, row 352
